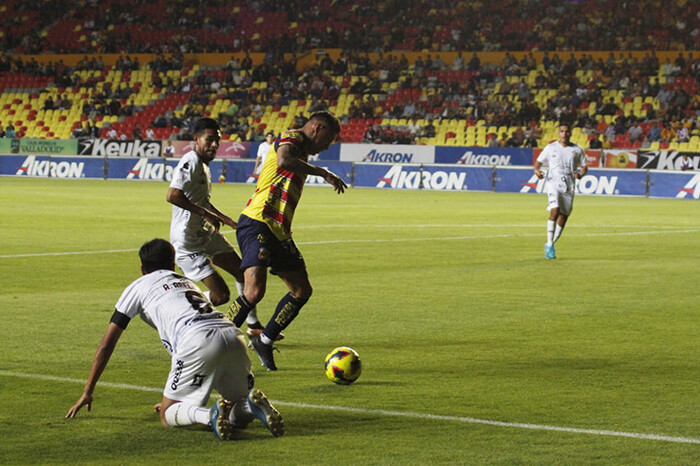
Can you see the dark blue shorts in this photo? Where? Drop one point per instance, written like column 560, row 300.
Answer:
column 260, row 247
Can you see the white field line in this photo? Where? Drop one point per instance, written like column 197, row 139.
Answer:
column 382, row 412
column 391, row 240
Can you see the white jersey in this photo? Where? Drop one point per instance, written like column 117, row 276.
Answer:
column 562, row 162
column 263, row 149
column 170, row 303
column 194, row 179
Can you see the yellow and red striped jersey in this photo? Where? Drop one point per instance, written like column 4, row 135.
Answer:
column 277, row 191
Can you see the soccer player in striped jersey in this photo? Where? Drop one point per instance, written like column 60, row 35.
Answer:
column 264, row 228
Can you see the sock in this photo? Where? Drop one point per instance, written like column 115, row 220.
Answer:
column 550, row 232
column 557, row 233
column 207, row 294
column 241, row 415
column 238, row 311
column 185, row 414
column 252, row 317
column 287, row 309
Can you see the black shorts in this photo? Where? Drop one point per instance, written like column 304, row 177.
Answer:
column 260, row 247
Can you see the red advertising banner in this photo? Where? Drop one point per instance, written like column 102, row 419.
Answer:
column 227, row 149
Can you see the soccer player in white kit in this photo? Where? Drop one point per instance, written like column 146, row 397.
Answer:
column 208, row 352
column 263, row 149
column 564, row 159
column 194, row 229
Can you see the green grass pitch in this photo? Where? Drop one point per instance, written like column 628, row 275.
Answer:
column 475, row 349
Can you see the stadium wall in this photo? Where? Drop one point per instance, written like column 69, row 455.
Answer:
column 442, row 177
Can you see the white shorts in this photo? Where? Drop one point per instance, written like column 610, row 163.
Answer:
column 195, row 261
column 209, row 358
column 564, row 201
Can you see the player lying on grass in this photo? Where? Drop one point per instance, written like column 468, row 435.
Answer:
column 208, row 351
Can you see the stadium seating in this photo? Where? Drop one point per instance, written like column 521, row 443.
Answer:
column 467, row 104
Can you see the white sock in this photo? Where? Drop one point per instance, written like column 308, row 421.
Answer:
column 550, row 232
column 207, row 294
column 557, row 232
column 185, row 414
column 241, row 414
column 265, row 340
column 252, row 317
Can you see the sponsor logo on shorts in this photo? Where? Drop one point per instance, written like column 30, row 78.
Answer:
column 178, row 372
column 198, row 380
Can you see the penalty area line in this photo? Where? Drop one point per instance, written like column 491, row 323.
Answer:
column 383, row 412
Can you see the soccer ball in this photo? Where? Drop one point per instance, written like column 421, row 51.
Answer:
column 343, row 365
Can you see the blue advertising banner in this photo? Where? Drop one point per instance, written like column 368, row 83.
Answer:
column 684, row 185
column 443, row 178
column 596, row 181
column 240, row 171
column 517, row 180
column 488, row 156
column 51, row 166
column 332, row 153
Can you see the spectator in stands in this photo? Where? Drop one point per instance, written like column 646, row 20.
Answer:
column 150, row 134
column 137, row 133
column 428, row 130
column 48, row 103
column 609, row 108
column 667, row 133
column 636, row 133
column 10, row 132
column 594, row 142
column 682, row 134
column 2, row 132
column 112, row 133
column 370, row 135
column 503, row 140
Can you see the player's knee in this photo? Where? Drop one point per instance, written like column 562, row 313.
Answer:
column 254, row 295
column 303, row 292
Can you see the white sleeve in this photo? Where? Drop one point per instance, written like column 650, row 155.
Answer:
column 130, row 302
column 183, row 173
column 583, row 160
column 544, row 156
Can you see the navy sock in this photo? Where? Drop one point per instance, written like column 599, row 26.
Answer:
column 238, row 311
column 287, row 309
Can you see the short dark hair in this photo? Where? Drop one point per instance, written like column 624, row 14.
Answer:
column 157, row 254
column 205, row 123
column 565, row 123
column 328, row 119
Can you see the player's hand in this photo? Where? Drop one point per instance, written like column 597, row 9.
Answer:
column 336, row 181
column 578, row 175
column 213, row 219
column 539, row 173
column 156, row 407
column 84, row 400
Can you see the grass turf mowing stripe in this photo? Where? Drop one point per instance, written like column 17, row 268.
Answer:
column 374, row 240
column 381, row 412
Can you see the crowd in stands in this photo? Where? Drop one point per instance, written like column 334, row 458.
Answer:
column 618, row 101
column 418, row 94
column 152, row 26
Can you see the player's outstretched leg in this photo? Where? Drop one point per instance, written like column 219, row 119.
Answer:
column 265, row 412
column 219, row 419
